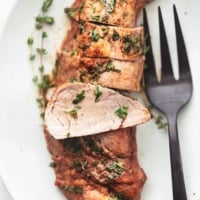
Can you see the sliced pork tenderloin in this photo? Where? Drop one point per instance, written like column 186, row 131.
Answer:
column 78, row 109
column 123, row 75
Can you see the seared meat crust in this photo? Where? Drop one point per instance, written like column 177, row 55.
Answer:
column 102, row 166
column 111, row 73
column 98, row 167
column 111, row 42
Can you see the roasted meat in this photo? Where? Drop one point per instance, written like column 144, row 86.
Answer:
column 107, row 72
column 100, row 167
column 111, row 42
column 121, row 13
column 91, row 109
column 90, row 130
column 116, row 60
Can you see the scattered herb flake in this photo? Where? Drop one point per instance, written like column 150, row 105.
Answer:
column 73, row 113
column 97, row 93
column 94, row 35
column 30, row 41
column 46, row 5
column 79, row 97
column 96, row 18
column 122, row 112
column 74, row 189
column 52, row 164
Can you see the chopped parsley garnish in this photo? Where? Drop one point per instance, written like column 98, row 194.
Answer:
column 41, row 20
column 74, row 112
column 46, row 5
column 74, row 52
column 97, row 93
column 116, row 168
column 52, row 164
column 68, row 135
column 79, row 97
column 94, row 35
column 111, row 67
column 122, row 112
column 131, row 43
column 96, row 18
column 46, row 83
column 70, row 11
column 73, row 189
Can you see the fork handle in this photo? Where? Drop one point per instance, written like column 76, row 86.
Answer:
column 179, row 191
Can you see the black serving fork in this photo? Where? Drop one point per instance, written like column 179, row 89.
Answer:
column 169, row 95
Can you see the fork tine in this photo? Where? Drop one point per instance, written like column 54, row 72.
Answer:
column 184, row 67
column 167, row 73
column 150, row 74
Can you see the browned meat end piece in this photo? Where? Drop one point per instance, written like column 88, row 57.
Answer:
column 118, row 13
column 111, row 42
column 124, row 75
column 98, row 167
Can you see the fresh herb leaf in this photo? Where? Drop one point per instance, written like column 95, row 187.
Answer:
column 74, row 52
column 46, row 5
column 79, row 97
column 41, row 51
column 116, row 168
column 35, row 79
column 73, row 113
column 52, row 164
column 74, row 189
column 32, row 57
column 30, row 41
column 111, row 67
column 68, row 135
column 122, row 112
column 96, row 18
column 94, row 35
column 97, row 93
column 45, row 83
column 131, row 42
column 48, row 20
column 44, row 35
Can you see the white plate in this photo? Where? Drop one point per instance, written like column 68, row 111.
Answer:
column 24, row 158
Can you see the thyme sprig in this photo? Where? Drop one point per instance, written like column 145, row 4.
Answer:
column 41, row 80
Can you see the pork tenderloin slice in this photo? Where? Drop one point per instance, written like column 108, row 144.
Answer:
column 124, row 75
column 111, row 42
column 75, row 111
column 118, row 13
column 81, row 164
